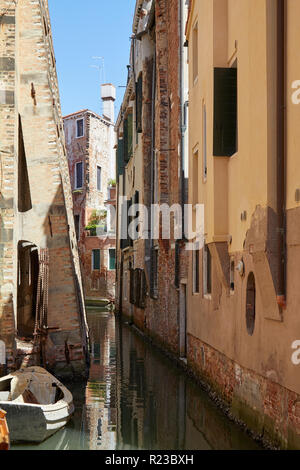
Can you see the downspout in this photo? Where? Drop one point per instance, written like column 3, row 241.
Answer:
column 183, row 109
column 281, row 152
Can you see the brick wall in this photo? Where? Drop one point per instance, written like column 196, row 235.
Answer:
column 38, row 167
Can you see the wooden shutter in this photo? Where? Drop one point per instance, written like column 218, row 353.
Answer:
column 225, row 112
column 79, row 175
column 120, row 158
column 96, row 260
column 112, row 259
column 128, row 148
column 139, row 104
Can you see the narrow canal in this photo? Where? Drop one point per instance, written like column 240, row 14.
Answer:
column 136, row 398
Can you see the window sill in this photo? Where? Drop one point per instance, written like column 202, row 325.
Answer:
column 207, row 296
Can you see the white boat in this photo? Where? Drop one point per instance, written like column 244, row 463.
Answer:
column 37, row 404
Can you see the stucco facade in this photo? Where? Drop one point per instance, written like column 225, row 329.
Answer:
column 242, row 327
column 40, row 280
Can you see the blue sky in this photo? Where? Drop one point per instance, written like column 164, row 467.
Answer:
column 81, row 31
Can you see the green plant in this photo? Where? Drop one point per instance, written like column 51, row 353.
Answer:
column 97, row 220
column 112, row 182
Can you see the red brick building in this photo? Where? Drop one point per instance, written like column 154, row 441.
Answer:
column 42, row 315
column 90, row 142
column 152, row 273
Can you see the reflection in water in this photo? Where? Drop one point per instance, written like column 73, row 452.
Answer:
column 135, row 398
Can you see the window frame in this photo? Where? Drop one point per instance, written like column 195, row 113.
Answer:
column 77, row 121
column 93, row 263
column 76, row 174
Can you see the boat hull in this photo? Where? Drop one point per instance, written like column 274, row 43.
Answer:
column 30, row 422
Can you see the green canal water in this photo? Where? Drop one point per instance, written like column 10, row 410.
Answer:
column 135, row 398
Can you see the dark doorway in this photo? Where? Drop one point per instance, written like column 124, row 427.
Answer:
column 28, row 271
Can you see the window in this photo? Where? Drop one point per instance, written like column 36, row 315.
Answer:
column 77, row 225
column 195, row 178
column 79, row 128
column 206, row 271
column 250, row 304
column 195, row 52
column 139, row 103
column 112, row 259
column 96, row 260
column 196, row 273
column 225, row 112
column 78, row 175
column 99, row 182
column 204, row 140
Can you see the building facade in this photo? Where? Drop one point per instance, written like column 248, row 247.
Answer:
column 243, row 287
column 42, row 315
column 90, row 142
column 152, row 140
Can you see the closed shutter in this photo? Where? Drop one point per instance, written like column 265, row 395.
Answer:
column 96, row 260
column 225, row 112
column 139, row 104
column 79, row 175
column 112, row 259
column 128, row 148
column 120, row 158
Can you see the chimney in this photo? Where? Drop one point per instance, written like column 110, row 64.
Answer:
column 108, row 95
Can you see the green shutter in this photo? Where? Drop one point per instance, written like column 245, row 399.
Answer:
column 225, row 112
column 139, row 104
column 120, row 158
column 112, row 259
column 130, row 132
column 96, row 260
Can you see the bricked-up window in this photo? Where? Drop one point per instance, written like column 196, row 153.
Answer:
column 99, row 178
column 79, row 128
column 139, row 104
column 78, row 175
column 128, row 147
column 195, row 52
column 225, row 112
column 96, row 260
column 206, row 271
column 196, row 272
column 250, row 304
column 112, row 259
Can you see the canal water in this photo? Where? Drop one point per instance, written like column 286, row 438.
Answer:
column 136, row 398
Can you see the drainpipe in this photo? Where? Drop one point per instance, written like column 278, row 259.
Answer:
column 183, row 114
column 281, row 151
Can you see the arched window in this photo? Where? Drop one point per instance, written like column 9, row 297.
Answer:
column 250, row 304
